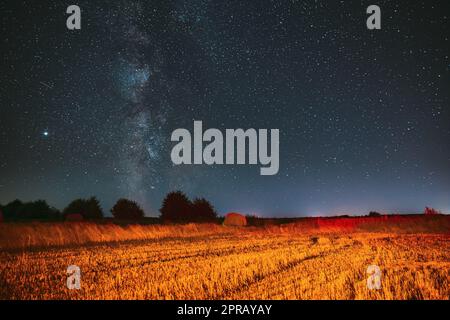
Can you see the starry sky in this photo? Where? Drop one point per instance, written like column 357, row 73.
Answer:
column 364, row 116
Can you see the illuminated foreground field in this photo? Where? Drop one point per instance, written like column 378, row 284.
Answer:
column 215, row 262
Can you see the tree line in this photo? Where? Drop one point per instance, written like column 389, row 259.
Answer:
column 176, row 207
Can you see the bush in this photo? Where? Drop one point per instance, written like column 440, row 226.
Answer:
column 127, row 209
column 374, row 214
column 88, row 208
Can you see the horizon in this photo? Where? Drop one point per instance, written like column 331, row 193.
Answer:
column 221, row 214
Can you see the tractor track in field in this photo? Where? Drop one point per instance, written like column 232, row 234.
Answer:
column 203, row 254
column 283, row 269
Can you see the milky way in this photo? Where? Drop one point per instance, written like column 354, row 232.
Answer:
column 364, row 116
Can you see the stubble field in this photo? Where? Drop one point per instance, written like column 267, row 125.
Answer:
column 216, row 262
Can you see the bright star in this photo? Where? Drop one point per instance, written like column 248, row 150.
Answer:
column 45, row 133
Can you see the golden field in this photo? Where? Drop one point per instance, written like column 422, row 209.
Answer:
column 310, row 260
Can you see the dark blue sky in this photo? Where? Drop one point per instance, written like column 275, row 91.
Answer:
column 364, row 116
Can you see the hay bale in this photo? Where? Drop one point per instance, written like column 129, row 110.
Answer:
column 235, row 219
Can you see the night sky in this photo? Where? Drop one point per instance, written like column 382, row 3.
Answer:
column 364, row 115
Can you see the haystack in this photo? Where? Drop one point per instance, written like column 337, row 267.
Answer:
column 235, row 219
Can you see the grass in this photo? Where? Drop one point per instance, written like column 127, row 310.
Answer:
column 310, row 259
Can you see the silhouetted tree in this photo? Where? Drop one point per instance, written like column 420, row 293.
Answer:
column 127, row 209
column 374, row 214
column 202, row 210
column 88, row 208
column 38, row 210
column 176, row 207
column 12, row 210
column 34, row 210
